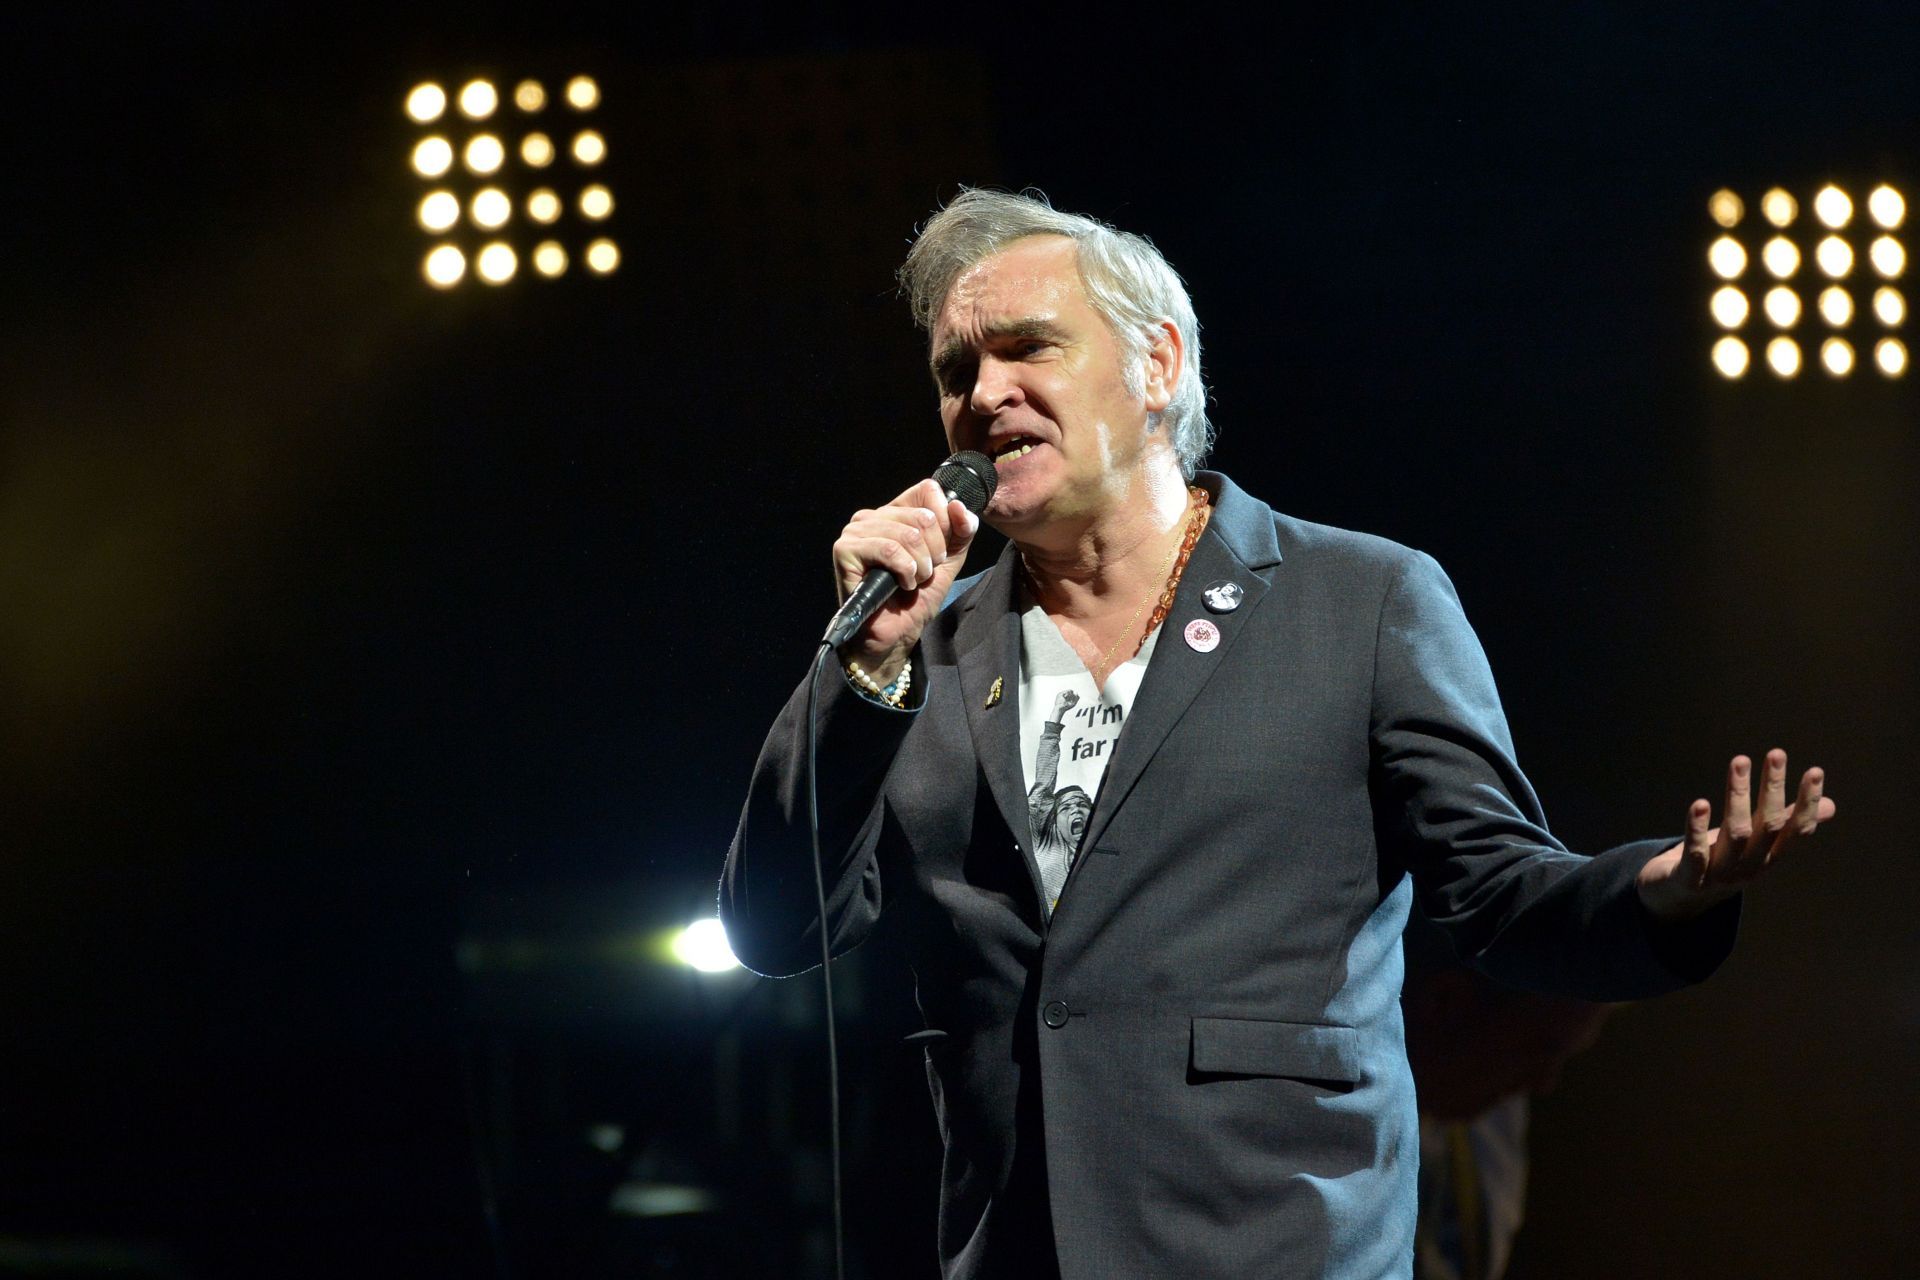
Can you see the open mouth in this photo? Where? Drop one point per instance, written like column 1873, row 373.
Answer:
column 1017, row 447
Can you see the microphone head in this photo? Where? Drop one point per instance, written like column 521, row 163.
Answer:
column 970, row 477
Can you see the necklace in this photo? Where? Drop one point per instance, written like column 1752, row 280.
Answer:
column 1175, row 566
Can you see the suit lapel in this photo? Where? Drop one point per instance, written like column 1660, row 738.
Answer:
column 1239, row 546
column 987, row 647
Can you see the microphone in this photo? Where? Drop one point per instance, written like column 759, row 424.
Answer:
column 968, row 476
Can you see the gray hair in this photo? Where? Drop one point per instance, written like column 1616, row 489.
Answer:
column 1127, row 280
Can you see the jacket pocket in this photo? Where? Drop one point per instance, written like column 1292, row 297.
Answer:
column 1300, row 1050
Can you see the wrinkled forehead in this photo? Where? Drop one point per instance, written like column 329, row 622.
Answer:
column 1037, row 277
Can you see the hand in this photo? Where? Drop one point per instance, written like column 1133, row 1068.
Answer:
column 921, row 537
column 1065, row 702
column 1710, row 866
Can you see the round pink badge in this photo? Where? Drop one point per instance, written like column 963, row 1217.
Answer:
column 1202, row 636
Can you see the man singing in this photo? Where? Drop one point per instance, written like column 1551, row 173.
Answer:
column 1174, row 1048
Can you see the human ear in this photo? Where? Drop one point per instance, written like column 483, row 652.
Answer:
column 1165, row 360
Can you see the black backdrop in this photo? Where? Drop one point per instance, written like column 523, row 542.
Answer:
column 382, row 668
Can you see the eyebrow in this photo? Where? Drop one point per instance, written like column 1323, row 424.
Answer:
column 955, row 349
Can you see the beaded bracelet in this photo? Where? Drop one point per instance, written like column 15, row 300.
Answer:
column 894, row 695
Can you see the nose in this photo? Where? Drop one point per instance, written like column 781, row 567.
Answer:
column 996, row 386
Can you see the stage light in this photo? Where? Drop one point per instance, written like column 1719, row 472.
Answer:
column 444, row 266
column 1835, row 257
column 549, row 259
column 439, row 210
column 1836, row 306
column 1730, row 357
column 1832, row 207
column 432, row 156
column 1889, row 259
column 1725, row 208
column 543, row 206
column 1890, row 307
column 536, row 150
column 589, row 148
column 484, row 153
column 1891, row 355
column 1886, row 207
column 1779, row 208
column 1727, row 258
column 582, row 93
column 703, row 945
column 497, row 263
column 491, row 208
column 1783, row 354
column 1781, row 257
column 1836, row 354
column 596, row 202
column 1729, row 307
column 1782, row 306
column 530, row 96
column 426, row 103
column 603, row 256
column 478, row 98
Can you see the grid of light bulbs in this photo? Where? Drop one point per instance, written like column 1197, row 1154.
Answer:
column 468, row 144
column 1853, row 276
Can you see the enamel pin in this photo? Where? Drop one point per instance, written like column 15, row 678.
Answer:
column 1202, row 636
column 1223, row 596
column 993, row 694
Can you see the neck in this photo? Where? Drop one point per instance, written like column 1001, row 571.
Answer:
column 1106, row 560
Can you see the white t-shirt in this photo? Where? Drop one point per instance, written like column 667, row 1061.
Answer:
column 1068, row 729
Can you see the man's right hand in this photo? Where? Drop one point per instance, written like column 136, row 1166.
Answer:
column 922, row 538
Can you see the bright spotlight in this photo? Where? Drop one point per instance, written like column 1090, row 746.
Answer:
column 543, row 206
column 1783, row 354
column 1727, row 258
column 1891, row 355
column 1781, row 257
column 549, row 259
column 582, row 93
column 439, row 210
column 444, row 266
column 1886, row 206
column 1779, row 208
column 1836, row 306
column 589, row 148
column 426, row 103
column 1889, row 259
column 536, row 150
column 484, row 153
column 530, row 96
column 1729, row 307
column 1725, row 208
column 432, row 156
column 496, row 263
column 1832, row 207
column 1889, row 306
column 491, row 208
column 602, row 257
column 596, row 202
column 1782, row 307
column 703, row 945
column 1836, row 354
column 1835, row 257
column 478, row 98
column 1730, row 357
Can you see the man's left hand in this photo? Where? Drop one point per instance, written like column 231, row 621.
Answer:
column 1710, row 866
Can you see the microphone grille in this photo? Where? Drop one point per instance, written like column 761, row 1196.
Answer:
column 970, row 477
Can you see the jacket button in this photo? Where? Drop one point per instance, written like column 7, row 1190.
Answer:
column 1055, row 1014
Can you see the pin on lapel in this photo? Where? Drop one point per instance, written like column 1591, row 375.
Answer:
column 993, row 694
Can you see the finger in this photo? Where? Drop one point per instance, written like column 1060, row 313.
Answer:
column 856, row 555
column 1695, row 857
column 1736, row 821
column 962, row 525
column 1770, row 814
column 1810, row 808
column 916, row 529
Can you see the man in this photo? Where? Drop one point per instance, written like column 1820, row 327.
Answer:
column 1176, row 1049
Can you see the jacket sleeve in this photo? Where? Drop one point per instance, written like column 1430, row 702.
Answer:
column 1451, row 804
column 767, row 899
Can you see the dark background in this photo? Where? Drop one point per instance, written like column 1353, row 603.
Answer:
column 380, row 669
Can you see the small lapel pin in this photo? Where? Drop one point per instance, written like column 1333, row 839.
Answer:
column 993, row 694
column 1202, row 636
column 1223, row 596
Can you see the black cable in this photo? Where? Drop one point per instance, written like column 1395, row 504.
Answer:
column 826, row 953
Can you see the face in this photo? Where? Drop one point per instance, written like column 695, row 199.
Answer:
column 1031, row 375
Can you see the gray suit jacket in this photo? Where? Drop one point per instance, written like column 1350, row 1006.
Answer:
column 1196, row 1067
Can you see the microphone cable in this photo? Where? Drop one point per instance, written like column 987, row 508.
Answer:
column 826, row 952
